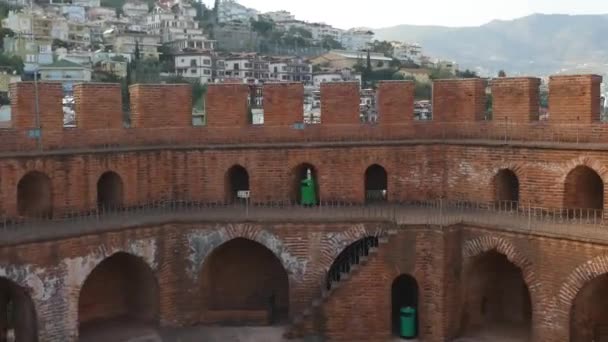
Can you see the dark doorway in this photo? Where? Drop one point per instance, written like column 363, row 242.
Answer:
column 109, row 191
column 584, row 189
column 404, row 293
column 497, row 300
column 17, row 313
column 300, row 173
column 506, row 189
column 589, row 312
column 376, row 184
column 244, row 283
column 34, row 195
column 237, row 179
column 121, row 293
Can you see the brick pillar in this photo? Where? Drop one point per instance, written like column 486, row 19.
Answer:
column 23, row 103
column 283, row 104
column 395, row 102
column 515, row 98
column 226, row 105
column 98, row 105
column 340, row 103
column 574, row 98
column 459, row 100
column 161, row 105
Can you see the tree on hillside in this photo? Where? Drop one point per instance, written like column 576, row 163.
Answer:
column 384, row 47
column 263, row 27
column 502, row 73
column 330, row 43
column 466, row 74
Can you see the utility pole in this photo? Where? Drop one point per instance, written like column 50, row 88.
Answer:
column 37, row 123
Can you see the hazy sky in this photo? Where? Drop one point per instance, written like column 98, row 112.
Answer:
column 382, row 13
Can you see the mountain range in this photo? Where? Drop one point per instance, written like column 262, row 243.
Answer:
column 538, row 44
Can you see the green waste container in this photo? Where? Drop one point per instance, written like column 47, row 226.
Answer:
column 408, row 322
column 308, row 194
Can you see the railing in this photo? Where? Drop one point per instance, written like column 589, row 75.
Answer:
column 585, row 224
column 351, row 256
column 488, row 131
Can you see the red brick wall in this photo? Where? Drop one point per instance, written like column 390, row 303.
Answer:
column 23, row 103
column 395, row 102
column 283, row 104
column 161, row 105
column 340, row 103
column 226, row 105
column 574, row 99
column 515, row 99
column 459, row 100
column 98, row 105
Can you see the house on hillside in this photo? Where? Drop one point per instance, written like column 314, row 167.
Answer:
column 343, row 59
column 65, row 71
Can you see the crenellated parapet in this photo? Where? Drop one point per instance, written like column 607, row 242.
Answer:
column 161, row 114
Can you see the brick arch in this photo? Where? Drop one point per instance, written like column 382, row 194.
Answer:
column 203, row 244
column 579, row 278
column 476, row 247
column 589, row 162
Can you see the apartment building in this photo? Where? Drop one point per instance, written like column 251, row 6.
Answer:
column 135, row 8
column 279, row 16
column 357, row 39
column 318, row 30
column 247, row 68
column 197, row 65
column 293, row 70
column 407, row 51
column 178, row 28
column 126, row 42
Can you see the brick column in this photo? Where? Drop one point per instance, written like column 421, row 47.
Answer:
column 515, row 98
column 574, row 98
column 283, row 104
column 340, row 103
column 161, row 105
column 459, row 100
column 23, row 103
column 98, row 105
column 395, row 102
column 226, row 105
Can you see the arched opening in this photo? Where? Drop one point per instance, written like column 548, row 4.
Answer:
column 17, row 313
column 305, row 185
column 376, row 184
column 119, row 299
column 350, row 256
column 244, row 283
column 584, row 189
column 404, row 294
column 109, row 191
column 506, row 189
column 34, row 195
column 237, row 181
column 497, row 302
column 589, row 312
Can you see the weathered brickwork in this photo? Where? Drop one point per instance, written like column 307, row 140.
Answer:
column 515, row 99
column 184, row 272
column 459, row 100
column 99, row 106
column 575, row 98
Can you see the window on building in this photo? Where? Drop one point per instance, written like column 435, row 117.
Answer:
column 193, row 71
column 206, row 61
column 247, row 65
column 285, row 77
column 193, row 62
column 236, row 66
column 207, row 72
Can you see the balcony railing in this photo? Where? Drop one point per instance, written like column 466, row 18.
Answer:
column 585, row 224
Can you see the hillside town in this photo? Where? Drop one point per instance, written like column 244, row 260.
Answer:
column 183, row 41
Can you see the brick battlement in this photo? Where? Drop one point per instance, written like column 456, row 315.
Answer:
column 160, row 114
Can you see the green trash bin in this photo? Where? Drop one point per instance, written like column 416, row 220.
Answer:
column 308, row 192
column 408, row 322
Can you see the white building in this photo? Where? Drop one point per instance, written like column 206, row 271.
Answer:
column 198, row 65
column 135, row 9
column 335, row 76
column 231, row 10
column 178, row 28
column 279, row 16
column 127, row 42
column 357, row 39
column 318, row 30
column 405, row 51
column 247, row 68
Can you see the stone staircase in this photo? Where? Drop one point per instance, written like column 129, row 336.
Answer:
column 344, row 268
